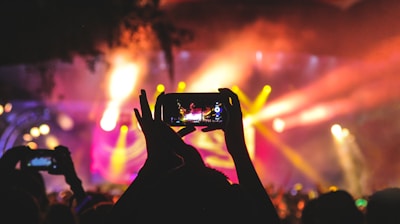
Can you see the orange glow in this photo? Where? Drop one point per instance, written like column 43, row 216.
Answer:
column 32, row 145
column 214, row 77
column 319, row 102
column 65, row 122
column 8, row 107
column 281, row 106
column 52, row 142
column 123, row 80
column 27, row 137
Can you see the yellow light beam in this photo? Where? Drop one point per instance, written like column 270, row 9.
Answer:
column 118, row 156
column 291, row 155
column 244, row 100
column 261, row 99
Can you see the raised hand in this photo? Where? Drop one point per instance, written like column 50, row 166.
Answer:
column 160, row 139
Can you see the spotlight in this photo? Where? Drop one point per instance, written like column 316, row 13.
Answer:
column 8, row 107
column 160, row 88
column 44, row 129
column 278, row 125
column 35, row 132
column 181, row 86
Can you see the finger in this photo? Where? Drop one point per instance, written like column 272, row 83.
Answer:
column 144, row 105
column 157, row 107
column 231, row 99
column 225, row 97
column 138, row 117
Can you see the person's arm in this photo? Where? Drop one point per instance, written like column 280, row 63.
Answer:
column 161, row 158
column 65, row 167
column 246, row 173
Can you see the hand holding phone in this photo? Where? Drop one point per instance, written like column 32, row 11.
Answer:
column 193, row 109
column 40, row 160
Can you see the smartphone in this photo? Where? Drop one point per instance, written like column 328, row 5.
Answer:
column 197, row 109
column 40, row 159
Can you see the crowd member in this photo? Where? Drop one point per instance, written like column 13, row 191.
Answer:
column 96, row 214
column 18, row 178
column 60, row 213
column 384, row 207
column 333, row 207
column 26, row 180
column 175, row 186
column 309, row 213
column 19, row 206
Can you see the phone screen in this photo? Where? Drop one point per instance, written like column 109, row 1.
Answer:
column 40, row 162
column 41, row 159
column 198, row 109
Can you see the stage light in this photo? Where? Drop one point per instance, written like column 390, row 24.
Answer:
column 51, row 142
column 248, row 120
column 278, row 125
column 333, row 188
column 336, row 131
column 267, row 89
column 235, row 88
column 1, row 109
column 346, row 133
column 27, row 137
column 32, row 145
column 298, row 187
column 35, row 132
column 361, row 202
column 312, row 194
column 109, row 120
column 44, row 129
column 8, row 107
column 252, row 115
column 160, row 88
column 123, row 80
column 181, row 87
column 124, row 128
column 350, row 159
column 65, row 122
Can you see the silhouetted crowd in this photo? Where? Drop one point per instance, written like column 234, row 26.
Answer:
column 174, row 185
